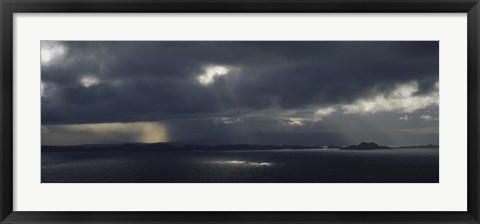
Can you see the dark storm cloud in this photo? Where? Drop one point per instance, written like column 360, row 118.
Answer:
column 143, row 81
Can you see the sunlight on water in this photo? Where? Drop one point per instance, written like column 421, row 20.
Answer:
column 243, row 163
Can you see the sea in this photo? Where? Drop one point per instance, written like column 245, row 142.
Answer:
column 407, row 165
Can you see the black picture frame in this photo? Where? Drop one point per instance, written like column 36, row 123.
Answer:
column 9, row 7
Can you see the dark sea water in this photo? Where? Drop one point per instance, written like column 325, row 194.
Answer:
column 265, row 166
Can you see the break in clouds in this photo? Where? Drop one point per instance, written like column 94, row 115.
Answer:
column 266, row 92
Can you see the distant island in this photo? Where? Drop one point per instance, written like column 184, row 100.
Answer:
column 334, row 147
column 366, row 146
column 223, row 147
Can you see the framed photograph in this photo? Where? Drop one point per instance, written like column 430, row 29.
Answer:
column 239, row 111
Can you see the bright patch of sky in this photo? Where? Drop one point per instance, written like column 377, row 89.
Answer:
column 211, row 73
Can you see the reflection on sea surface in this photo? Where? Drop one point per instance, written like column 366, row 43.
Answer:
column 241, row 163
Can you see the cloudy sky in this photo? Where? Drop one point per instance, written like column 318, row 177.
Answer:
column 266, row 92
